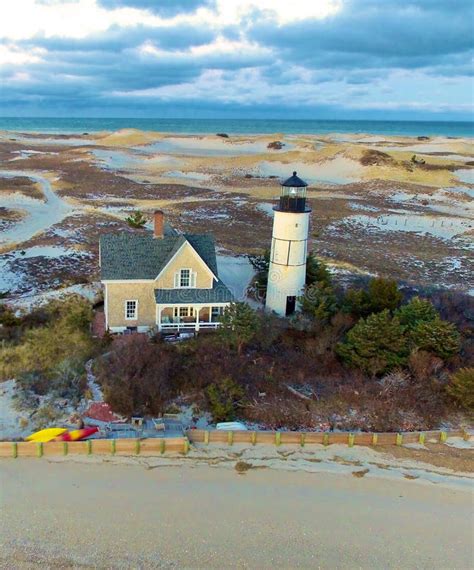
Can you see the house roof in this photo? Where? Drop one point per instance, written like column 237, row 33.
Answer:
column 218, row 294
column 136, row 256
column 294, row 182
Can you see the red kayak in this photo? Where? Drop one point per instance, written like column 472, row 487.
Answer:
column 77, row 434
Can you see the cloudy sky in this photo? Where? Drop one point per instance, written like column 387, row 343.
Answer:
column 400, row 59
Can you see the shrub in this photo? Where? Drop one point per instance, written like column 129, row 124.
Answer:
column 8, row 318
column 42, row 348
column 35, row 382
column 376, row 344
column 46, row 415
column 136, row 220
column 437, row 336
column 316, row 271
column 461, row 388
column 356, row 302
column 423, row 365
column 68, row 379
column 136, row 376
column 415, row 312
column 239, row 325
column 319, row 301
column 224, row 399
column 384, row 294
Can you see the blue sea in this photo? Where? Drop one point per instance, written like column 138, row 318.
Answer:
column 238, row 126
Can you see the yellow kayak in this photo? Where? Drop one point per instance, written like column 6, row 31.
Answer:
column 45, row 435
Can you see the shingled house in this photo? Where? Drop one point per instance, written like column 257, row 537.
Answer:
column 164, row 281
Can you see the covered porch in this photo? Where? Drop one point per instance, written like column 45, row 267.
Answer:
column 182, row 317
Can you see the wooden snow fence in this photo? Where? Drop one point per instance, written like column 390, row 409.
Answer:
column 150, row 447
column 323, row 438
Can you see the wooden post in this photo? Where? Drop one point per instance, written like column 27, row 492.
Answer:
column 137, row 447
column 15, row 449
column 303, row 437
column 65, row 448
column 350, row 440
column 186, row 446
column 421, row 438
column 443, row 436
column 253, row 437
column 162, row 446
column 399, row 439
column 465, row 435
column 39, row 449
column 375, row 438
column 89, row 446
column 206, row 437
column 277, row 438
column 326, row 439
column 230, row 437
column 113, row 446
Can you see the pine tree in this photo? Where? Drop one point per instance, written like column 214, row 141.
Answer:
column 356, row 302
column 437, row 336
column 415, row 312
column 239, row 324
column 319, row 301
column 316, row 271
column 384, row 294
column 376, row 344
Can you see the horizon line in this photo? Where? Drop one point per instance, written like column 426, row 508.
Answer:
column 394, row 120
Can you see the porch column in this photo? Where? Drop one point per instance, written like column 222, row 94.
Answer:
column 197, row 310
column 210, row 314
column 159, row 309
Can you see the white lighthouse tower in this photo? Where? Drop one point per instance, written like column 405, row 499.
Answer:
column 287, row 271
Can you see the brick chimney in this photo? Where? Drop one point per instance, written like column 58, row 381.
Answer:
column 158, row 224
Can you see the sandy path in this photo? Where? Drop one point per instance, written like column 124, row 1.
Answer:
column 116, row 516
column 42, row 215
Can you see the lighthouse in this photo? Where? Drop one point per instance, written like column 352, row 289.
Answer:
column 287, row 271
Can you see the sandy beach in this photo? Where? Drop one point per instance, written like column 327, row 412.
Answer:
column 70, row 515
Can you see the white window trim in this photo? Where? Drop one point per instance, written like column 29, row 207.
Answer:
column 192, row 278
column 134, row 318
column 189, row 311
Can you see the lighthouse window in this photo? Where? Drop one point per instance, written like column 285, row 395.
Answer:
column 296, row 225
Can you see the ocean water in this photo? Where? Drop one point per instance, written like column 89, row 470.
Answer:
column 238, row 126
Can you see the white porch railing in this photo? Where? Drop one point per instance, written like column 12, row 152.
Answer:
column 189, row 325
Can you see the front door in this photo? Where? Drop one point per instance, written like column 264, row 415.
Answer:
column 290, row 305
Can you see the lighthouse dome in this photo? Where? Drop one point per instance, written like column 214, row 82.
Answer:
column 294, row 182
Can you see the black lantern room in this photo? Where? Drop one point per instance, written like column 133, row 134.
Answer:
column 293, row 195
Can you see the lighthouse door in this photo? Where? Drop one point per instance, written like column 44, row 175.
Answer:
column 290, row 305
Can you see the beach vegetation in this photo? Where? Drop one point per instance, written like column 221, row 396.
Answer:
column 239, row 325
column 326, row 368
column 376, row 344
column 224, row 397
column 136, row 220
column 461, row 388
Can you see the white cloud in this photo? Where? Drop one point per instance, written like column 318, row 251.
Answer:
column 14, row 55
column 80, row 18
column 220, row 46
column 284, row 11
column 75, row 19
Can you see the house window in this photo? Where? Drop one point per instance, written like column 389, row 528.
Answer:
column 183, row 312
column 184, row 279
column 131, row 309
column 217, row 311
